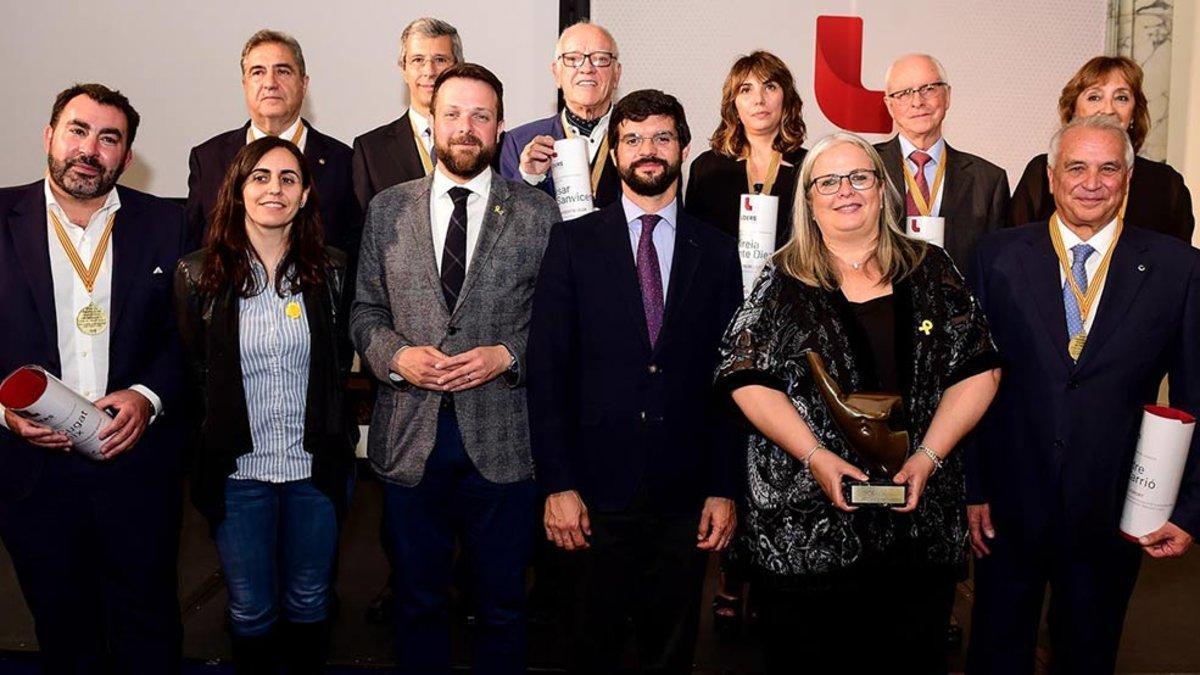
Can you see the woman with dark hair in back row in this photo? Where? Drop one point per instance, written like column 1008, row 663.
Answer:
column 1158, row 198
column 262, row 310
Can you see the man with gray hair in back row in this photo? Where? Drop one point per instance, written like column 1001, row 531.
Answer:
column 403, row 149
column 275, row 81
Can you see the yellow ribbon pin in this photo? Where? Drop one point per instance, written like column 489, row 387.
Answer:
column 292, row 310
column 926, row 327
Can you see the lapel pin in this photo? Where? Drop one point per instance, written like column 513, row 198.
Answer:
column 157, row 270
column 321, row 161
column 926, row 327
column 1141, row 268
column 498, row 210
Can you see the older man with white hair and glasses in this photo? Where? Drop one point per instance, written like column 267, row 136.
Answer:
column 968, row 192
column 587, row 69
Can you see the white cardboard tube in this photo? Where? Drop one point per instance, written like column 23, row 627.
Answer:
column 758, row 217
column 572, row 177
column 1158, row 463
column 40, row 397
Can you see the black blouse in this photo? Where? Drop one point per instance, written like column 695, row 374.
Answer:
column 716, row 182
column 1158, row 198
column 940, row 337
column 876, row 318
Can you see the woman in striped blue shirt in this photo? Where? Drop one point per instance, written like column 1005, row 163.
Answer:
column 262, row 311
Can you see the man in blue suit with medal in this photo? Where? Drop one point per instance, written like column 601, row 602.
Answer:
column 1089, row 316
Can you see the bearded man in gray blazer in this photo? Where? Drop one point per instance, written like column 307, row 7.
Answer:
column 445, row 286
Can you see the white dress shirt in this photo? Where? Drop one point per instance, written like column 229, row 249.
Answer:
column 441, row 207
column 424, row 131
column 84, row 358
column 595, row 140
column 937, row 152
column 1101, row 241
column 286, row 134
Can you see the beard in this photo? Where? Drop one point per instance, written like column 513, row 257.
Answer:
column 82, row 187
column 465, row 162
column 653, row 186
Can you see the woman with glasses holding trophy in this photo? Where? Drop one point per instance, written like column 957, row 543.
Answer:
column 860, row 359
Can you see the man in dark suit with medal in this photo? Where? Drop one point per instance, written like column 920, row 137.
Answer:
column 1089, row 317
column 403, row 149
column 968, row 192
column 85, row 276
column 638, row 469
column 587, row 69
column 275, row 80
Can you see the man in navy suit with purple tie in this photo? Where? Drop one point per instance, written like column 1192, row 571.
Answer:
column 639, row 470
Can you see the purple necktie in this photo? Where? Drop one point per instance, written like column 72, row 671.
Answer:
column 650, row 277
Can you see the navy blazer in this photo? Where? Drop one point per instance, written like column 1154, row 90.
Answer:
column 329, row 160
column 1059, row 437
column 607, row 191
column 147, row 239
column 608, row 413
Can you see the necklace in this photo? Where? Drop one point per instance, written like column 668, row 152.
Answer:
column 854, row 265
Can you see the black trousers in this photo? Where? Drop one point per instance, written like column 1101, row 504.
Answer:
column 642, row 566
column 1091, row 580
column 871, row 618
column 94, row 546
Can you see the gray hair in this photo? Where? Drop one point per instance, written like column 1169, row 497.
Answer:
column 1102, row 122
column 430, row 27
column 585, row 22
column 268, row 36
column 941, row 71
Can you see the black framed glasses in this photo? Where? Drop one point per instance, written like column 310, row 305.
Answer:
column 925, row 91
column 597, row 59
column 860, row 179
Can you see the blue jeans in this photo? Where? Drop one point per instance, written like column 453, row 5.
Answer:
column 496, row 524
column 277, row 546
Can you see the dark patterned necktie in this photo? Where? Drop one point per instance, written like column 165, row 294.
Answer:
column 650, row 277
column 920, row 159
column 454, row 253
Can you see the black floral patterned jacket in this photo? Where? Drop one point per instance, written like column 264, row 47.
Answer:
column 790, row 527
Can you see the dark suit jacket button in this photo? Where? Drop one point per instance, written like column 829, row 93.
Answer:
column 1072, row 383
column 453, row 330
column 652, row 369
column 1058, row 443
column 642, row 415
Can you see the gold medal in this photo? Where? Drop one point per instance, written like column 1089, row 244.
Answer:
column 1075, row 346
column 91, row 320
column 292, row 310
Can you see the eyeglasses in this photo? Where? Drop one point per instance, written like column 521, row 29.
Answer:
column 860, row 179
column 662, row 139
column 597, row 59
column 926, row 91
column 439, row 62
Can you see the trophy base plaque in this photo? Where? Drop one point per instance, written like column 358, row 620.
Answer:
column 874, row 493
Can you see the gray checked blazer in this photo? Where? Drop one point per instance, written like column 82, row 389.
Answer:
column 399, row 302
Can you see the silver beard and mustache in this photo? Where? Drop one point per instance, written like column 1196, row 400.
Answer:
column 81, row 187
